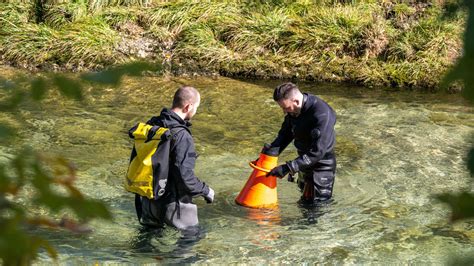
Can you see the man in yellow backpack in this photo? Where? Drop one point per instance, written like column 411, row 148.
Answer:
column 173, row 203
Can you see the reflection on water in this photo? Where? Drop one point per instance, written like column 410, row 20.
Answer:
column 312, row 212
column 152, row 242
column 264, row 217
column 395, row 150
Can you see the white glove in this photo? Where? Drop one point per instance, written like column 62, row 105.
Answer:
column 210, row 196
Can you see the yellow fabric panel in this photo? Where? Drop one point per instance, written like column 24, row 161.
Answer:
column 142, row 131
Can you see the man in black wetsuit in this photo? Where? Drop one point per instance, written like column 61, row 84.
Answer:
column 309, row 121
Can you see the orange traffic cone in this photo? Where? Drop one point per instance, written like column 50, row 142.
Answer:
column 260, row 191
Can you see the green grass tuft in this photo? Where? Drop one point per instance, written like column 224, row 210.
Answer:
column 88, row 44
column 374, row 42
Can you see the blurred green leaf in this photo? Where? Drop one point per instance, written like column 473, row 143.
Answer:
column 13, row 102
column 16, row 247
column 39, row 242
column 114, row 75
column 46, row 196
column 4, row 185
column 89, row 208
column 456, row 73
column 38, row 89
column 462, row 205
column 48, row 199
column 15, row 209
column 40, row 179
column 451, row 7
column 137, row 68
column 45, row 174
column 470, row 161
column 462, row 261
column 463, row 70
column 7, row 84
column 69, row 87
column 19, row 165
column 468, row 56
column 110, row 77
column 469, row 37
column 6, row 133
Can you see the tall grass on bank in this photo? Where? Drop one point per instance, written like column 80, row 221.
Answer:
column 88, row 43
column 397, row 43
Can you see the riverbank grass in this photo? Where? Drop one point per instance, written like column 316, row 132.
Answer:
column 382, row 43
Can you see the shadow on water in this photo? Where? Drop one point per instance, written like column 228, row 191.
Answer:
column 153, row 242
column 270, row 219
column 311, row 212
column 308, row 215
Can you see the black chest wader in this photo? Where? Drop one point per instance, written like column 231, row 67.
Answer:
column 317, row 183
column 150, row 212
column 173, row 209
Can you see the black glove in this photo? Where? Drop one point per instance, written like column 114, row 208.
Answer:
column 269, row 150
column 279, row 171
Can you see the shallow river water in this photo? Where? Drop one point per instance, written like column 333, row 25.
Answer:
column 395, row 150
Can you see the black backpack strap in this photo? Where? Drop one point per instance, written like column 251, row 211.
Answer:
column 131, row 130
column 151, row 133
column 138, row 206
column 175, row 130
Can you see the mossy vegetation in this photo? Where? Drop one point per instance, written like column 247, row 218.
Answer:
column 387, row 43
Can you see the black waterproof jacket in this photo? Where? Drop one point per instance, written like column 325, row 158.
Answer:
column 182, row 183
column 313, row 134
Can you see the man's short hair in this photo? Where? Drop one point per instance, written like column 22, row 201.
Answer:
column 285, row 91
column 184, row 95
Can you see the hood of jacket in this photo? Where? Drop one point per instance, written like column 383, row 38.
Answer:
column 169, row 119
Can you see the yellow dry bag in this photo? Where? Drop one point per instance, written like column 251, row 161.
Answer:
column 147, row 173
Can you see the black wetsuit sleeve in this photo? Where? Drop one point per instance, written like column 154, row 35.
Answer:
column 322, row 137
column 285, row 136
column 182, row 165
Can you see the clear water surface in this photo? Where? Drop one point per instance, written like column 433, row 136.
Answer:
column 395, row 150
